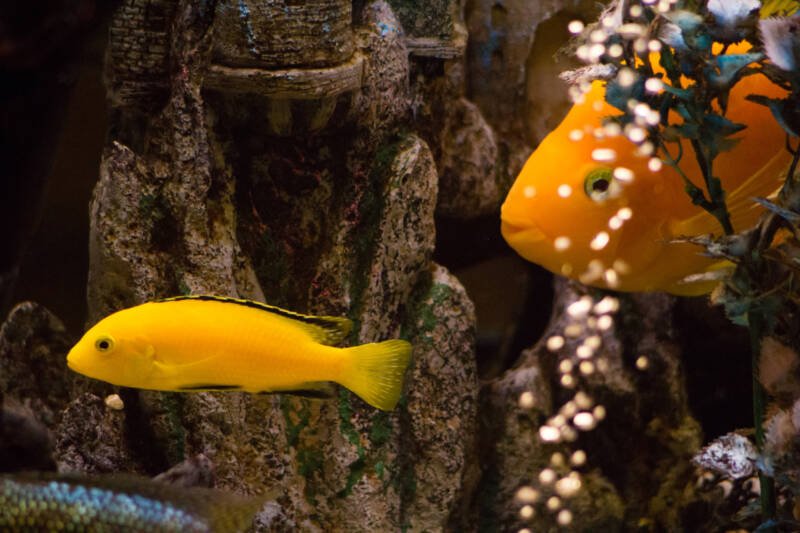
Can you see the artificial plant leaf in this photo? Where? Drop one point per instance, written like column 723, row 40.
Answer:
column 727, row 67
column 782, row 212
column 785, row 111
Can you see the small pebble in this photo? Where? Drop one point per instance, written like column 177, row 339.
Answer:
column 113, row 401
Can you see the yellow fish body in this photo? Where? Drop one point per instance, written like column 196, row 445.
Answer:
column 610, row 223
column 198, row 343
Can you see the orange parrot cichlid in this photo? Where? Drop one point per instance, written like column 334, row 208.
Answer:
column 592, row 209
column 203, row 343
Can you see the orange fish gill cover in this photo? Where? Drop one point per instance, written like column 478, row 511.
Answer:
column 595, row 205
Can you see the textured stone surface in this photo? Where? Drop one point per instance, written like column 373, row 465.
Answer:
column 468, row 185
column 437, row 20
column 513, row 72
column 442, row 410
column 91, row 438
column 282, row 33
column 298, row 83
column 384, row 100
column 25, row 443
column 645, row 408
column 33, row 348
column 138, row 59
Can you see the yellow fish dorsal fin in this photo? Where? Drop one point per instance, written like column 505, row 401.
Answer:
column 328, row 330
column 744, row 211
column 771, row 8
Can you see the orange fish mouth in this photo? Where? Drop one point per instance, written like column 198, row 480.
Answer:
column 520, row 230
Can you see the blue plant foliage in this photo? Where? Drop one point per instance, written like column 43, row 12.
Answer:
column 618, row 96
column 784, row 110
column 682, row 94
column 728, row 68
column 722, row 125
column 782, row 212
column 693, row 30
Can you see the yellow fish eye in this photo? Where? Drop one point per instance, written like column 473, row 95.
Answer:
column 598, row 183
column 104, row 344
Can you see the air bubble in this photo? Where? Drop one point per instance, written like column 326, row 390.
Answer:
column 569, row 486
column 655, row 164
column 600, row 241
column 626, row 77
column 604, row 155
column 547, row 476
column 575, row 135
column 555, row 343
column 549, row 434
column 561, row 243
column 528, row 494
column 653, row 85
column 578, row 458
column 575, row 27
column 526, row 400
column 553, row 503
column 584, row 421
column 623, row 174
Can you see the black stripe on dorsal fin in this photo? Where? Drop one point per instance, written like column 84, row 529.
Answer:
column 328, row 330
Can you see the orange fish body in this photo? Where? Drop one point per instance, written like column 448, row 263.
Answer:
column 617, row 236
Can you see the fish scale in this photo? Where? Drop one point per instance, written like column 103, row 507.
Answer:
column 43, row 502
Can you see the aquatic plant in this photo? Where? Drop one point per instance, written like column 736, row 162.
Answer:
column 670, row 67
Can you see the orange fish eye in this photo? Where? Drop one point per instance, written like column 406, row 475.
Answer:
column 598, row 183
column 104, row 344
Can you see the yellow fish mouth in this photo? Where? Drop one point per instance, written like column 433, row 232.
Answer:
column 71, row 363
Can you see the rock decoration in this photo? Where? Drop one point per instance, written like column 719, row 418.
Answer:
column 298, row 55
column 281, row 33
column 33, row 345
column 605, row 372
column 209, row 197
column 138, row 45
column 210, row 182
column 436, row 31
column 511, row 57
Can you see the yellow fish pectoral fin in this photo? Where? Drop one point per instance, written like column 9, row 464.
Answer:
column 192, row 376
column 328, row 330
column 375, row 372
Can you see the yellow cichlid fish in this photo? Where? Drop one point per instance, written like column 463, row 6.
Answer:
column 588, row 207
column 202, row 343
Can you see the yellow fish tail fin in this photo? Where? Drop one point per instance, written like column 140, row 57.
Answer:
column 376, row 370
